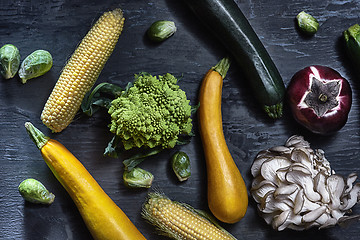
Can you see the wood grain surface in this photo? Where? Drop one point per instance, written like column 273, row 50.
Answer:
column 59, row 25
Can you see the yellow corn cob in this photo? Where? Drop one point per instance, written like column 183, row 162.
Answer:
column 179, row 221
column 82, row 70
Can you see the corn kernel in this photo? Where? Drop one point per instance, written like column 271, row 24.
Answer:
column 81, row 72
column 179, row 221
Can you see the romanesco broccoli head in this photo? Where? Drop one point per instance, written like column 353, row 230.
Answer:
column 153, row 112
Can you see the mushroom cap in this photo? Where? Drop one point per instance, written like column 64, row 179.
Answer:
column 295, row 188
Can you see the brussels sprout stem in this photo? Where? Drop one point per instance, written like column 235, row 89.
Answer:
column 36, row 135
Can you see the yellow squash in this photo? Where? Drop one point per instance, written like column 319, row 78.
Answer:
column 104, row 219
column 227, row 193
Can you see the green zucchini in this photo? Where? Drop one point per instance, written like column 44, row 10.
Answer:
column 229, row 24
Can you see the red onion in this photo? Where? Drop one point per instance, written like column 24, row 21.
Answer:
column 320, row 99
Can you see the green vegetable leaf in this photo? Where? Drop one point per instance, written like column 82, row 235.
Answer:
column 184, row 139
column 138, row 158
column 195, row 108
column 101, row 96
column 128, row 86
column 113, row 149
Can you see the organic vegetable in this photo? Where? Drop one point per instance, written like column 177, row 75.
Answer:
column 320, row 99
column 307, row 23
column 229, row 24
column 352, row 41
column 94, row 99
column 180, row 164
column 82, row 71
column 227, row 194
column 34, row 191
column 138, row 178
column 35, row 65
column 148, row 115
column 295, row 188
column 104, row 219
column 180, row 221
column 153, row 112
column 161, row 30
column 9, row 60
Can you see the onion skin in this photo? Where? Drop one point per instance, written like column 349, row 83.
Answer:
column 334, row 119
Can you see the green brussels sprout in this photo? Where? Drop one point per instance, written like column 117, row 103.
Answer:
column 307, row 23
column 161, row 30
column 34, row 191
column 36, row 64
column 181, row 165
column 138, row 178
column 9, row 60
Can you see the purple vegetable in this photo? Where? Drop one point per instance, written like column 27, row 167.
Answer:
column 320, row 99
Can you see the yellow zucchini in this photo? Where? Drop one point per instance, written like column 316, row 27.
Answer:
column 104, row 219
column 227, row 193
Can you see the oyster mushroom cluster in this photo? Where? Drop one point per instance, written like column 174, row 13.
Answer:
column 295, row 188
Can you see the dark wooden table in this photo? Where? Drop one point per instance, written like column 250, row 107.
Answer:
column 58, row 26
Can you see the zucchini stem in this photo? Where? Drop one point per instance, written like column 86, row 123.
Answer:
column 36, row 135
column 274, row 111
column 222, row 66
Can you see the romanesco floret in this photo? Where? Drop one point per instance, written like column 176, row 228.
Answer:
column 153, row 112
